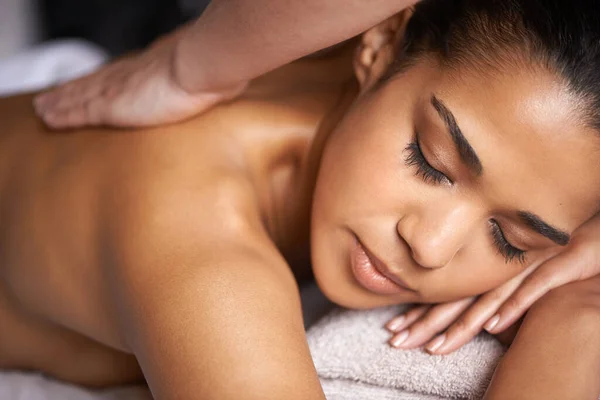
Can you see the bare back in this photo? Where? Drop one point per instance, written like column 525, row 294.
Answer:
column 66, row 198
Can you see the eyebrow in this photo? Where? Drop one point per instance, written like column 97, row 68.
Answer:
column 466, row 152
column 543, row 228
column 470, row 158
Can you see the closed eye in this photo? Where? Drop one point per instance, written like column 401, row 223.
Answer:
column 508, row 251
column 429, row 174
column 416, row 158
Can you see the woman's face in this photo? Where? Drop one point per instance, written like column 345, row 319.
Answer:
column 444, row 184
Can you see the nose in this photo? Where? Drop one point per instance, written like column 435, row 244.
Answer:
column 435, row 235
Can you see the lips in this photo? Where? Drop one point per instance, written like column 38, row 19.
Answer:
column 373, row 274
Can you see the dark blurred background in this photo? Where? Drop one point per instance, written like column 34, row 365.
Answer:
column 118, row 26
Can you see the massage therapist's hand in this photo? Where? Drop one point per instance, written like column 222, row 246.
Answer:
column 499, row 309
column 139, row 90
column 233, row 42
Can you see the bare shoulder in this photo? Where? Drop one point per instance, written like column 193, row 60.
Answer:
column 203, row 294
column 160, row 209
column 167, row 227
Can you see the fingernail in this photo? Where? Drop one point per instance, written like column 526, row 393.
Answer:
column 399, row 338
column 491, row 324
column 395, row 324
column 436, row 343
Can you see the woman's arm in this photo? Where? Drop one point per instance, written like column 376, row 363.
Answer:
column 211, row 60
column 556, row 354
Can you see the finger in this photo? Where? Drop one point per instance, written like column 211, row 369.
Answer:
column 42, row 101
column 87, row 113
column 79, row 91
column 400, row 322
column 554, row 273
column 69, row 94
column 52, row 97
column 472, row 321
column 434, row 321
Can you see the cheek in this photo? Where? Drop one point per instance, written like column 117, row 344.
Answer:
column 359, row 186
column 363, row 166
column 475, row 270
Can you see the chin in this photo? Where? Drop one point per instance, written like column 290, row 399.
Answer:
column 330, row 255
column 355, row 298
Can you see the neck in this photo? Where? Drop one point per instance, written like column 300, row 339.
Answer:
column 295, row 201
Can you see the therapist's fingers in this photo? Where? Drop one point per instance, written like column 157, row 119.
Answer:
column 139, row 90
column 71, row 93
column 88, row 112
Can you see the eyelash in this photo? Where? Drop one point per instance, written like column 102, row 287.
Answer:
column 429, row 174
column 416, row 158
column 509, row 251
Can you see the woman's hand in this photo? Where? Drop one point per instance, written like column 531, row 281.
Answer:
column 461, row 320
column 502, row 307
column 135, row 91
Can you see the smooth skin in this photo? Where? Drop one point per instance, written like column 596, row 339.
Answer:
column 570, row 319
column 179, row 253
column 174, row 79
column 497, row 310
column 209, row 61
column 170, row 254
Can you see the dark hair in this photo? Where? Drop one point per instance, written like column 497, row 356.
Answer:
column 562, row 36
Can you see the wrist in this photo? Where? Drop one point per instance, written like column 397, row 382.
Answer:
column 193, row 74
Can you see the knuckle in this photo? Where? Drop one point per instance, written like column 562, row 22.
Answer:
column 416, row 312
column 516, row 302
column 430, row 326
column 541, row 281
column 419, row 327
column 461, row 327
column 432, row 322
column 493, row 297
column 111, row 91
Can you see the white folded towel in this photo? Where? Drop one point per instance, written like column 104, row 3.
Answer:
column 354, row 361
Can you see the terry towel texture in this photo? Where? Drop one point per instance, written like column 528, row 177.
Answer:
column 354, row 361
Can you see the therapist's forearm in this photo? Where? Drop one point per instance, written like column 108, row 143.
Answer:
column 237, row 40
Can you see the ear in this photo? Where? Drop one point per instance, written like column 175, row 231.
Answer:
column 377, row 48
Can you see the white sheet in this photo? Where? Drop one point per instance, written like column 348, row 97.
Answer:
column 21, row 386
column 48, row 64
